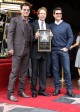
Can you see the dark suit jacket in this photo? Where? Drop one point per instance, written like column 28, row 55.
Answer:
column 16, row 38
column 34, row 52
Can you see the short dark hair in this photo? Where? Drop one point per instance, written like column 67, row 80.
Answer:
column 25, row 4
column 57, row 8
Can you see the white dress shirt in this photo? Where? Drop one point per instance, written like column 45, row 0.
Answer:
column 44, row 24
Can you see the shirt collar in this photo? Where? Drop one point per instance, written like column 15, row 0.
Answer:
column 25, row 19
column 41, row 21
column 58, row 22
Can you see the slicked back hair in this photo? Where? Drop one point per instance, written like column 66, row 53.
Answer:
column 42, row 8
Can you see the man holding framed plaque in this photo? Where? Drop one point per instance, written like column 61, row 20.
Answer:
column 40, row 51
column 44, row 42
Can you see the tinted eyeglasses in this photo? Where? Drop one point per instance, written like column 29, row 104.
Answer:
column 58, row 13
column 26, row 10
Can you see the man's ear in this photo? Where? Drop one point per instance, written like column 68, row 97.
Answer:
column 53, row 14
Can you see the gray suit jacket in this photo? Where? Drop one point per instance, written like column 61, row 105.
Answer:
column 16, row 39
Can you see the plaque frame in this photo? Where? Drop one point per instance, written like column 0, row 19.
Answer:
column 44, row 41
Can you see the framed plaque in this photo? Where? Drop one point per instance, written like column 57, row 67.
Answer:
column 44, row 41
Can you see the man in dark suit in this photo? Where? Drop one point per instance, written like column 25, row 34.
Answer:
column 19, row 44
column 39, row 59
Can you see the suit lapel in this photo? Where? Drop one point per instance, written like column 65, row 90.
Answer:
column 21, row 22
column 36, row 25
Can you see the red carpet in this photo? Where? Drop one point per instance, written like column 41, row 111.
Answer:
column 44, row 102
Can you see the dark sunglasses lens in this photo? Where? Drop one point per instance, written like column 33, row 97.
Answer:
column 58, row 13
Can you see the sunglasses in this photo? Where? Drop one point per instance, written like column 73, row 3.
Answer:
column 26, row 10
column 58, row 13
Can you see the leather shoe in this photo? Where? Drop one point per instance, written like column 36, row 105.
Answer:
column 34, row 95
column 56, row 92
column 13, row 98
column 44, row 94
column 69, row 93
column 22, row 94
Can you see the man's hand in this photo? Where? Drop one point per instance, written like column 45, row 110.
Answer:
column 10, row 52
column 71, row 47
column 37, row 35
column 51, row 34
column 64, row 49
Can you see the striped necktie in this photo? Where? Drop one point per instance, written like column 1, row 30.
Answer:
column 42, row 27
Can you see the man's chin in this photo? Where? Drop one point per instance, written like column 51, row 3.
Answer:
column 25, row 15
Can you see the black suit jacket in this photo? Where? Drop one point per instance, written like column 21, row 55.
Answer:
column 35, row 53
